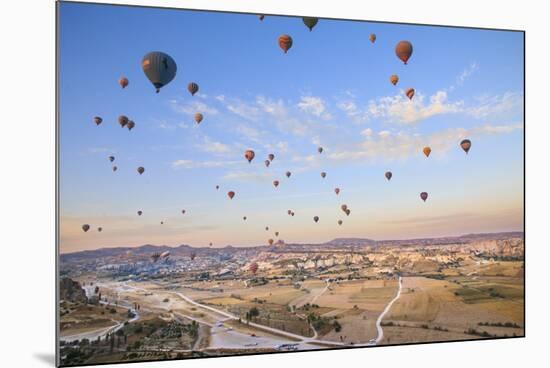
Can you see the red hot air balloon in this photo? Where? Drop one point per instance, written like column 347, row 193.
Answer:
column 285, row 42
column 466, row 144
column 231, row 194
column 424, row 196
column 254, row 267
column 410, row 93
column 249, row 155
column 404, row 50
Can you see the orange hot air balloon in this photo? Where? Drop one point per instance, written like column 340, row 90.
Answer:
column 261, row 17
column 271, row 157
column 123, row 81
column 115, row 168
column 231, row 194
column 394, row 79
column 111, row 158
column 285, row 42
column 276, row 233
column 270, row 241
column 85, row 227
column 198, row 117
column 427, row 151
column 139, row 213
column 193, row 88
column 372, row 37
column 254, row 267
column 249, row 155
column 388, row 175
column 424, row 196
column 130, row 125
column 340, row 222
column 276, row 183
column 267, row 162
column 140, row 170
column 316, row 218
column 348, row 211
column 123, row 120
column 404, row 50
column 344, row 207
column 466, row 144
column 410, row 93
column 337, row 191
column 288, row 173
column 98, row 120
column 323, row 174
column 320, row 149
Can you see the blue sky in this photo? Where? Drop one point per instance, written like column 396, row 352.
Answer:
column 331, row 89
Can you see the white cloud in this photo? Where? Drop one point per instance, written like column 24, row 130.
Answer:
column 466, row 73
column 214, row 146
column 190, row 164
column 247, row 176
column 190, row 108
column 497, row 105
column 366, row 132
column 315, row 106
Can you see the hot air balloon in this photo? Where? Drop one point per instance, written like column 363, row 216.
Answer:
column 285, row 42
column 310, row 22
column 192, row 255
column 344, row 207
column 404, row 50
column 466, row 144
column 348, row 211
column 267, row 162
column 427, row 151
column 85, row 227
column 394, row 79
column 271, row 157
column 254, row 267
column 111, row 158
column 424, row 196
column 183, row 212
column 244, row 218
column 320, row 149
column 139, row 212
column 276, row 183
column 159, row 68
column 115, row 168
column 217, row 187
column 97, row 120
column 372, row 37
column 323, row 174
column 198, row 117
column 122, row 120
column 123, row 81
column 162, row 222
column 210, row 244
column 267, row 228
column 340, row 222
column 249, row 155
column 193, row 88
column 316, row 218
column 131, row 125
column 292, row 214
column 100, row 229
column 289, row 212
column 140, row 170
column 231, row 194
column 288, row 173
column 276, row 233
column 388, row 175
column 410, row 93
column 261, row 17
column 270, row 241
column 337, row 191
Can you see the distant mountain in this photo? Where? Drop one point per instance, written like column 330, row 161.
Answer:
column 184, row 249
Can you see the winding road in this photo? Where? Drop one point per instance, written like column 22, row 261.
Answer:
column 386, row 310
